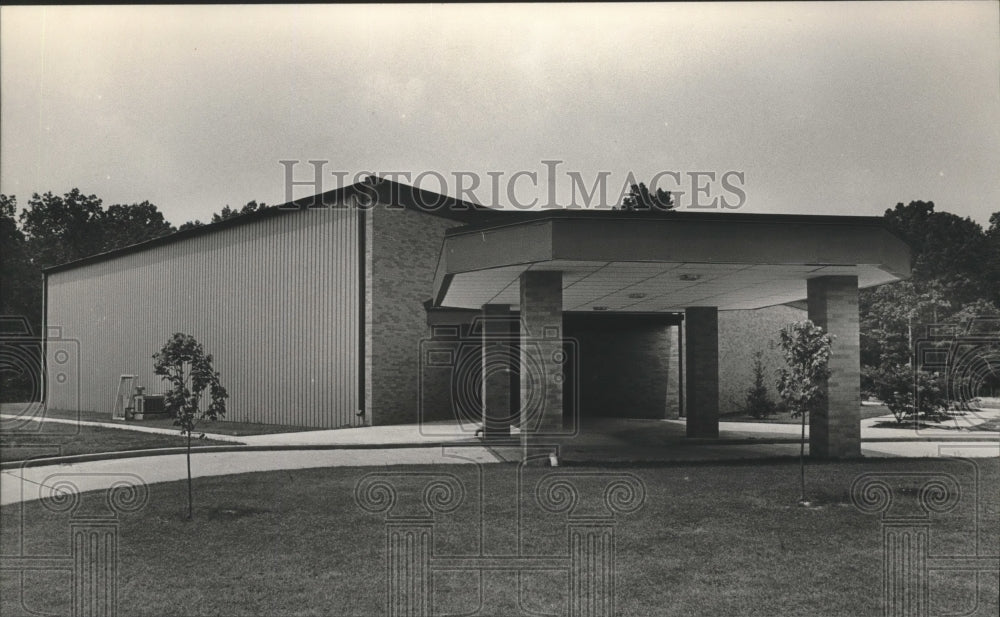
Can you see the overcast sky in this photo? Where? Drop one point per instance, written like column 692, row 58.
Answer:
column 826, row 108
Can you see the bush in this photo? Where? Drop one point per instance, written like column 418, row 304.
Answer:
column 184, row 364
column 758, row 402
column 894, row 387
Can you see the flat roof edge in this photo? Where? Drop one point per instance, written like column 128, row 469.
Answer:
column 524, row 217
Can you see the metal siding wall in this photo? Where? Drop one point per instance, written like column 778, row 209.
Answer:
column 275, row 301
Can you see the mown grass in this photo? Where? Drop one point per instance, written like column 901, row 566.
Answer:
column 54, row 439
column 709, row 540
column 221, row 427
column 784, row 417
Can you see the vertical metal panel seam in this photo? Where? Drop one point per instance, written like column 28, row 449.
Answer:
column 231, row 289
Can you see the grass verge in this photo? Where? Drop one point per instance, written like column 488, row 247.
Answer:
column 66, row 439
column 709, row 540
column 223, row 427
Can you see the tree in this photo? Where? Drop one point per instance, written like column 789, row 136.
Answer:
column 74, row 226
column 945, row 247
column 955, row 266
column 802, row 382
column 125, row 225
column 639, row 199
column 890, row 315
column 20, row 286
column 966, row 317
column 993, row 258
column 758, row 402
column 228, row 213
column 20, row 278
column 184, row 364
column 62, row 229
column 190, row 225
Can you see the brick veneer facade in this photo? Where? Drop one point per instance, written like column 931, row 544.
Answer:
column 835, row 432
column 542, row 354
column 451, row 392
column 402, row 253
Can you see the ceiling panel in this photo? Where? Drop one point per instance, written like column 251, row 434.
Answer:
column 589, row 284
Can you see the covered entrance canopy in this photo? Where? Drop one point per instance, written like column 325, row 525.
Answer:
column 544, row 263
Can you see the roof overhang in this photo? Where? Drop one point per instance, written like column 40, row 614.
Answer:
column 635, row 263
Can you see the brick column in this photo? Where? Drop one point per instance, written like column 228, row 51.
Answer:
column 835, row 432
column 498, row 365
column 542, row 355
column 702, row 359
column 673, row 402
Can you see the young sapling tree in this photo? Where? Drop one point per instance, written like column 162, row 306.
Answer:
column 188, row 369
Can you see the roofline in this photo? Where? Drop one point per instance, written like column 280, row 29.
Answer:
column 548, row 237
column 251, row 217
column 525, row 216
column 475, row 216
column 428, row 202
column 375, row 189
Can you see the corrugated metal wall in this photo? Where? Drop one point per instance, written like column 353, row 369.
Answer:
column 276, row 301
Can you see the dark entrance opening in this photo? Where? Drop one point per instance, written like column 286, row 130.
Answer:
column 627, row 365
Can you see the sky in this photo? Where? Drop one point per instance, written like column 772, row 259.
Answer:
column 828, row 108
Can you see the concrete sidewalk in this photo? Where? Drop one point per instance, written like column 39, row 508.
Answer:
column 611, row 441
column 32, row 483
column 432, row 432
column 959, row 428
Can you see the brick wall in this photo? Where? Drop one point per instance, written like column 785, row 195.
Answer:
column 833, row 305
column 403, row 250
column 451, row 392
column 541, row 345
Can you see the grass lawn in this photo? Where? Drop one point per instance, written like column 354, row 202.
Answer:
column 709, row 540
column 223, row 427
column 867, row 411
column 65, row 439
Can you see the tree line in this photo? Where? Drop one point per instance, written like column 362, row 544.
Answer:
column 954, row 287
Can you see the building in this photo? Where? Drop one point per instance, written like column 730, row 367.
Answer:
column 380, row 303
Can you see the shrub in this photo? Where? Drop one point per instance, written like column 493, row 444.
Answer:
column 758, row 401
column 894, row 387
